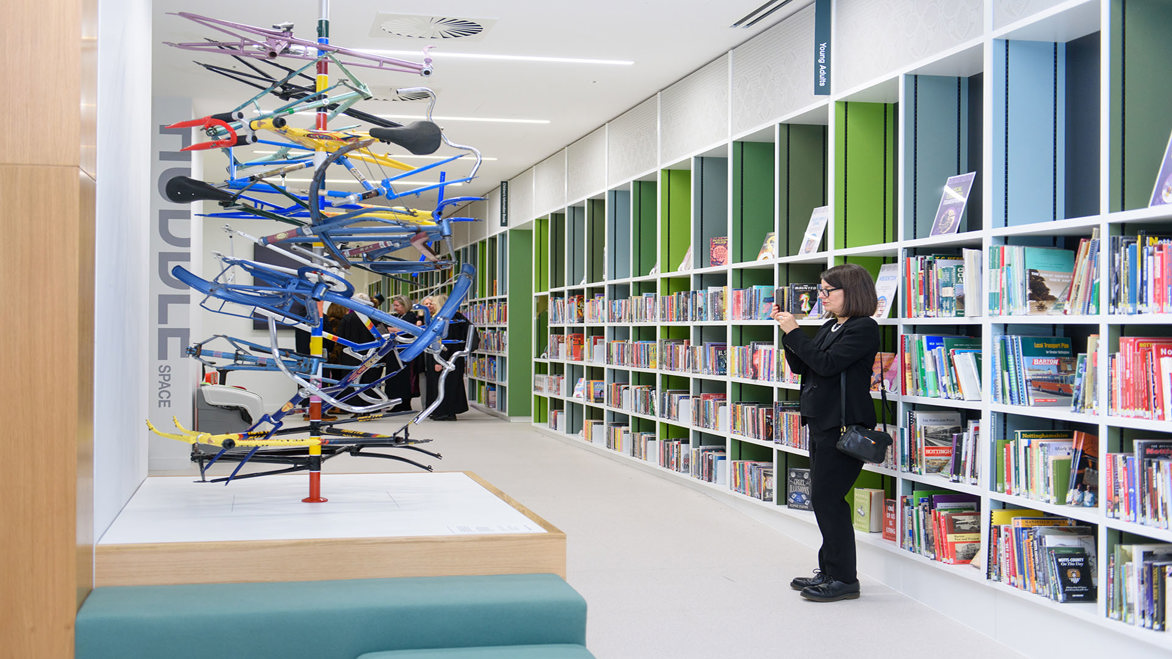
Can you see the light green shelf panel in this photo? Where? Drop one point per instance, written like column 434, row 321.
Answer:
column 520, row 326
column 675, row 218
column 865, row 174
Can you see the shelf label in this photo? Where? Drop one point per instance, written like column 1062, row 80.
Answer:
column 822, row 48
column 504, row 203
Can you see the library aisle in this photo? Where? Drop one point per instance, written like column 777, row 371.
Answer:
column 671, row 570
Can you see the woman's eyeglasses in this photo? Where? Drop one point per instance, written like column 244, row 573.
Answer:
column 825, row 291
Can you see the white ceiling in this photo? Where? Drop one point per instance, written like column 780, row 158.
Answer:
column 665, row 40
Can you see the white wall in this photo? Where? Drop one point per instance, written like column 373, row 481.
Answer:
column 121, row 255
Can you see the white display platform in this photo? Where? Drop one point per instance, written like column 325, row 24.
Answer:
column 176, row 530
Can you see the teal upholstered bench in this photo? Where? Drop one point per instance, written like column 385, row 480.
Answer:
column 522, row 615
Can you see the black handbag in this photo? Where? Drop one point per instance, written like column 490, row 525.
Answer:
column 857, row 441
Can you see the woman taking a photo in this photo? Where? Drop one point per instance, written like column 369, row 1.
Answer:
column 843, row 350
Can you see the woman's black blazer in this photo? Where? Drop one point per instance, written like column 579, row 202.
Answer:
column 819, row 360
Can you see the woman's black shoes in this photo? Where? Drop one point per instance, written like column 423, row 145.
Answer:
column 444, row 417
column 832, row 590
column 805, row 582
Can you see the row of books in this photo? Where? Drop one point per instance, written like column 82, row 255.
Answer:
column 567, row 309
column 1141, row 274
column 1041, row 554
column 636, row 309
column 484, row 367
column 752, row 478
column 760, row 360
column 936, row 285
column 1028, row 280
column 941, row 525
column 637, row 398
column 937, row 366
column 933, row 443
column 488, row 313
column 1139, row 579
column 1139, row 483
column 1141, row 378
column 493, row 340
column 635, row 354
column 593, row 391
column 681, row 356
column 1033, row 370
column 1052, row 466
column 694, row 306
column 549, row 384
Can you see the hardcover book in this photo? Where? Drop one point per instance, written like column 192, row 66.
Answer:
column 952, row 202
column 718, row 251
column 814, row 230
column 868, row 510
column 798, row 489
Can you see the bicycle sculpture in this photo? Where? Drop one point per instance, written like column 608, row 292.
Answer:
column 328, row 231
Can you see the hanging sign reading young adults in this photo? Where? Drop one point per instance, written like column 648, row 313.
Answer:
column 822, row 47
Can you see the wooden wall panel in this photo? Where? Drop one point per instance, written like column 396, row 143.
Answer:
column 41, row 64
column 43, row 370
column 47, row 530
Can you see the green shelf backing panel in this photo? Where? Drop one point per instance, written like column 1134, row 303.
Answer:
column 557, row 253
column 676, row 215
column 618, row 218
column 645, row 231
column 865, row 174
column 595, row 239
column 1140, row 98
column 752, row 198
column 942, row 139
column 541, row 254
column 520, row 295
column 802, row 178
column 709, row 206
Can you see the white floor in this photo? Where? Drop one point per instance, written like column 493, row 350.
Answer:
column 674, row 571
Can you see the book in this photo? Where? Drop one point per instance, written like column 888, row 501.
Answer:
column 797, row 490
column 867, row 513
column 768, row 247
column 890, row 509
column 886, row 287
column 885, row 371
column 814, row 230
column 718, row 251
column 803, row 300
column 1049, row 272
column 686, row 262
column 953, row 199
column 1047, row 369
column 1072, row 575
column 1083, row 481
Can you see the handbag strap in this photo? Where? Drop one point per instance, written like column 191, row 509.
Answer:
column 842, row 401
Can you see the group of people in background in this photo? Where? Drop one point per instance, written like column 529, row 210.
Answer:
column 404, row 385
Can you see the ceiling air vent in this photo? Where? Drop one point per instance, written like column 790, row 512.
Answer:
column 438, row 28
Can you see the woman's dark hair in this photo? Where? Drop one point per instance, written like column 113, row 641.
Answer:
column 858, row 289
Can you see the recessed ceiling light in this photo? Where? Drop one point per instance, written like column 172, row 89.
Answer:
column 442, row 55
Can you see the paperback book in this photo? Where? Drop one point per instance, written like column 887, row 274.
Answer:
column 798, row 489
column 814, row 230
column 768, row 247
column 886, row 287
column 952, row 202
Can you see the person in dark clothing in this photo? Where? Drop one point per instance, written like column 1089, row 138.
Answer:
column 354, row 329
column 846, row 344
column 455, row 398
column 399, row 384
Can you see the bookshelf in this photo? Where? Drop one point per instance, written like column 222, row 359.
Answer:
column 1057, row 106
